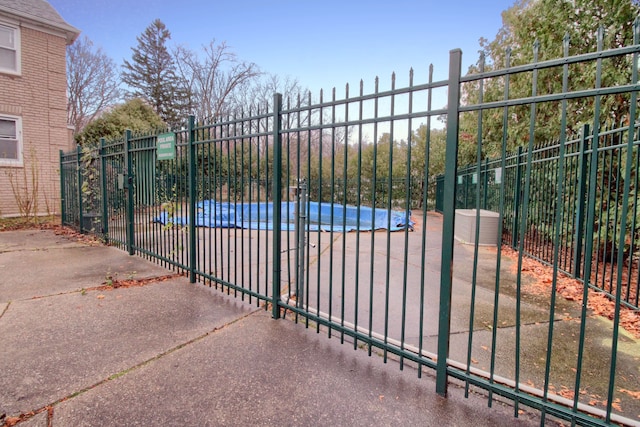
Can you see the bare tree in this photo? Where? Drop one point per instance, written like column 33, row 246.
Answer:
column 259, row 92
column 211, row 77
column 257, row 95
column 92, row 83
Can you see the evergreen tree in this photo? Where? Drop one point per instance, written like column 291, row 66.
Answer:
column 547, row 22
column 134, row 114
column 151, row 74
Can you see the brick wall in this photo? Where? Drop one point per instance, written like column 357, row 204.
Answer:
column 39, row 97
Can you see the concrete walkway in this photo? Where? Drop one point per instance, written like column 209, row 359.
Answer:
column 75, row 352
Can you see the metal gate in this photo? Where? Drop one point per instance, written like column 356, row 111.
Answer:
column 320, row 209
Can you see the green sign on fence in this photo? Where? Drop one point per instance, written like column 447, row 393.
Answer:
column 166, row 146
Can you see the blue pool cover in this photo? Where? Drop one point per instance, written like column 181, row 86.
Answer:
column 320, row 217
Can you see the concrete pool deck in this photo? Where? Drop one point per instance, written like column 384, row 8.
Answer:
column 77, row 352
column 80, row 353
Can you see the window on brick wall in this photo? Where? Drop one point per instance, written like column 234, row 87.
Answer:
column 10, row 141
column 9, row 49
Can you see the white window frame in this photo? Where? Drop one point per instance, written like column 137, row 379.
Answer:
column 18, row 49
column 19, row 161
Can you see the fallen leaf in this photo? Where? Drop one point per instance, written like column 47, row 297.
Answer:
column 634, row 394
column 542, row 277
column 567, row 394
column 100, row 296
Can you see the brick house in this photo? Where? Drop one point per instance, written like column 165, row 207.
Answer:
column 33, row 104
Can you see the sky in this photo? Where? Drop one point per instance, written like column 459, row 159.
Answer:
column 322, row 43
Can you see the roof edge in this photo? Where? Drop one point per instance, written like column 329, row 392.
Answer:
column 71, row 33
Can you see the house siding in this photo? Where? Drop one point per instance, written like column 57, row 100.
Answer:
column 38, row 96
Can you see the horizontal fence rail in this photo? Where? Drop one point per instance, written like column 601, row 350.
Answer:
column 322, row 210
column 602, row 237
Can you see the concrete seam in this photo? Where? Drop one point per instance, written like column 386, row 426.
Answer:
column 44, row 249
column 103, row 287
column 5, row 309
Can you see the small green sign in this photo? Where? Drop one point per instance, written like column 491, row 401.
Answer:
column 166, row 146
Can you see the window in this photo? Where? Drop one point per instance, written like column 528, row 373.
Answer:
column 9, row 49
column 10, row 141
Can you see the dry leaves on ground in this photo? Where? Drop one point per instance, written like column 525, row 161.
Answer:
column 634, row 394
column 542, row 279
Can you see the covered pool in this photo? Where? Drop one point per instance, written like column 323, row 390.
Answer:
column 321, row 216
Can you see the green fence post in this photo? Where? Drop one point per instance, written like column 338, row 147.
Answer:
column 516, row 200
column 80, row 183
column 193, row 195
column 130, row 204
column 103, row 185
column 448, row 220
column 623, row 222
column 277, row 203
column 581, row 202
column 63, row 210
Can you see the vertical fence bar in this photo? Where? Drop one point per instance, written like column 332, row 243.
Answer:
column 129, row 178
column 557, row 227
column 193, row 196
column 387, row 281
column 358, row 204
column 623, row 222
column 244, row 170
column 448, row 220
column 103, row 184
column 633, row 246
column 320, row 196
column 80, row 184
column 581, row 202
column 523, row 225
column 277, row 203
column 332, row 181
column 479, row 180
column 501, row 224
column 308, row 178
column 63, row 207
column 217, row 196
column 230, row 189
column 344, row 211
column 485, row 190
column 593, row 176
column 301, row 229
column 374, row 185
column 516, row 199
column 406, row 229
column 425, row 201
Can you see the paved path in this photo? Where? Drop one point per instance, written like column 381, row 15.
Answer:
column 76, row 353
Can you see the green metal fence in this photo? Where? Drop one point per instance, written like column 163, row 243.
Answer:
column 580, row 242
column 70, row 184
column 413, row 295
